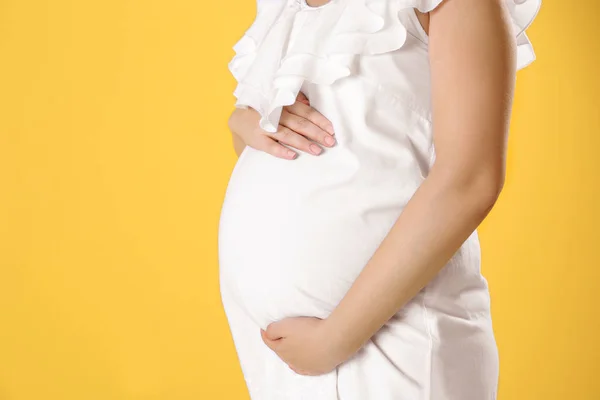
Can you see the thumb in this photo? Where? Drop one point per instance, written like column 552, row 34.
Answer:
column 274, row 331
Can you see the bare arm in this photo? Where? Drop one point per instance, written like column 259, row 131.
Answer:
column 473, row 73
column 238, row 142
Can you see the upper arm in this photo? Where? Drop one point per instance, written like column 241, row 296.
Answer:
column 472, row 53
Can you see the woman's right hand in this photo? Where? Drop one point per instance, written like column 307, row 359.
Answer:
column 300, row 126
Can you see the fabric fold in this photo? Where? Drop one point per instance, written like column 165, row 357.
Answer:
column 270, row 69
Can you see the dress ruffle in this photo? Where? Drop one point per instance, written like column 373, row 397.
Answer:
column 522, row 13
column 270, row 69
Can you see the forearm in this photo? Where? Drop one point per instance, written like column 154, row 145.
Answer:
column 238, row 144
column 440, row 216
column 233, row 123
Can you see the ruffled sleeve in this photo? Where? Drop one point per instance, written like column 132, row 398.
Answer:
column 247, row 93
column 270, row 69
column 522, row 13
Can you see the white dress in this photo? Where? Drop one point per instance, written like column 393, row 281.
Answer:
column 295, row 234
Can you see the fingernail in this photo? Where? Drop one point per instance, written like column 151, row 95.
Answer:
column 315, row 149
column 291, row 154
column 329, row 140
column 330, row 129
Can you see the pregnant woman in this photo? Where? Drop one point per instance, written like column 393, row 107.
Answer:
column 372, row 139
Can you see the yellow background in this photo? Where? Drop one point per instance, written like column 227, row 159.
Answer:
column 114, row 157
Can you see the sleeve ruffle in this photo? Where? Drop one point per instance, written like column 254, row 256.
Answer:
column 270, row 71
column 522, row 13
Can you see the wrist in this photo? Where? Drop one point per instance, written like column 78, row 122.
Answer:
column 342, row 339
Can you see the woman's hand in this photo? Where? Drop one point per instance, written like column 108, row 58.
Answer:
column 305, row 345
column 300, row 126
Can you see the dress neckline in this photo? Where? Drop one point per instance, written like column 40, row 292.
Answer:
column 305, row 5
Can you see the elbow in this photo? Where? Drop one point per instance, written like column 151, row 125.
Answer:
column 479, row 188
column 486, row 189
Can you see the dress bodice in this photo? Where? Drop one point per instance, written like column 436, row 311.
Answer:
column 290, row 43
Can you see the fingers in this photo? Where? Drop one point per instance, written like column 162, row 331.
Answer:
column 273, row 143
column 307, row 112
column 291, row 137
column 273, row 332
column 300, row 127
column 274, row 341
column 272, row 344
column 269, row 145
column 304, row 129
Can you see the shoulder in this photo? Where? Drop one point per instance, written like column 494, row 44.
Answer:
column 519, row 13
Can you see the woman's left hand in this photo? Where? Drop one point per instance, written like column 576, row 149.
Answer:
column 304, row 344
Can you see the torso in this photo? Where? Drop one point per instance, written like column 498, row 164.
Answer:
column 295, row 234
column 301, row 230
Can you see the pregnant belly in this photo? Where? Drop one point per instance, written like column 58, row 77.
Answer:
column 294, row 235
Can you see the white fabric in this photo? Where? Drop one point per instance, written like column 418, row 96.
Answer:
column 270, row 69
column 295, row 234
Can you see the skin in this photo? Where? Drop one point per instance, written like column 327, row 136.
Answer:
column 473, row 69
column 300, row 126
